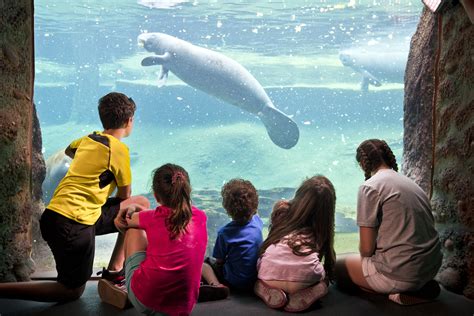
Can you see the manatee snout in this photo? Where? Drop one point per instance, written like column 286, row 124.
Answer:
column 346, row 59
column 144, row 41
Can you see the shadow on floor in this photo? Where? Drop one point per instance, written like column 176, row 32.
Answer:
column 335, row 303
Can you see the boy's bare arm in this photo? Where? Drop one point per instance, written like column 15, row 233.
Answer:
column 124, row 192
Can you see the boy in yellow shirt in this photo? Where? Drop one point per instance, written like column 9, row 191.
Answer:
column 81, row 208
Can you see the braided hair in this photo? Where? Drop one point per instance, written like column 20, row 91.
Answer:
column 372, row 153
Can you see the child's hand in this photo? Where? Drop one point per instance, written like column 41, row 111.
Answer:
column 132, row 209
column 120, row 221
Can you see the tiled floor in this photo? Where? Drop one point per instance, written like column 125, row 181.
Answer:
column 335, row 303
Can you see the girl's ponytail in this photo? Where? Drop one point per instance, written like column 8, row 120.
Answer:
column 172, row 188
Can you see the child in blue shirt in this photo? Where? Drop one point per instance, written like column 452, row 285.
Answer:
column 237, row 244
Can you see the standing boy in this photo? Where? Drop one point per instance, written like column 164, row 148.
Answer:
column 81, row 208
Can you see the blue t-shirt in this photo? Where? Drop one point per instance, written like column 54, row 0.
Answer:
column 238, row 245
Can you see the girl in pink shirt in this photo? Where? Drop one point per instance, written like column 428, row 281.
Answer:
column 291, row 272
column 164, row 249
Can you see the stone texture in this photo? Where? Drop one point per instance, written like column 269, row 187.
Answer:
column 417, row 139
column 453, row 138
column 16, row 149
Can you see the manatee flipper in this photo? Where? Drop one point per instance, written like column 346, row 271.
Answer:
column 158, row 60
column 163, row 76
column 370, row 78
column 364, row 84
column 282, row 130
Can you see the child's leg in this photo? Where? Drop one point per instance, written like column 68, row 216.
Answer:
column 214, row 289
column 209, row 275
column 427, row 293
column 42, row 291
column 349, row 273
column 289, row 286
column 109, row 212
column 274, row 297
column 303, row 299
column 135, row 241
column 72, row 245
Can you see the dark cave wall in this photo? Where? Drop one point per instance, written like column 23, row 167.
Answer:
column 21, row 162
column 453, row 138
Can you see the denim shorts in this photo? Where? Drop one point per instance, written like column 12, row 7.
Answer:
column 382, row 284
column 131, row 264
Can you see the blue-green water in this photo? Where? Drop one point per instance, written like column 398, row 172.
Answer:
column 85, row 49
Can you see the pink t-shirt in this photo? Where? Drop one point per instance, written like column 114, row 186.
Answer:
column 168, row 279
column 279, row 263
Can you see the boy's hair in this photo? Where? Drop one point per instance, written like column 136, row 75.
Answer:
column 372, row 153
column 308, row 224
column 240, row 199
column 115, row 109
column 172, row 188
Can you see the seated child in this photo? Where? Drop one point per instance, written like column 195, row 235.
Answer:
column 301, row 235
column 164, row 255
column 399, row 248
column 237, row 243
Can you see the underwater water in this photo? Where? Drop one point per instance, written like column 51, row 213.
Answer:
column 334, row 67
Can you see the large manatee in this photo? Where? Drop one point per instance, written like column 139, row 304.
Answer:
column 219, row 76
column 57, row 166
column 376, row 64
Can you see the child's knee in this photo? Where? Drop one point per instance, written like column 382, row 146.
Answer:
column 141, row 200
column 74, row 293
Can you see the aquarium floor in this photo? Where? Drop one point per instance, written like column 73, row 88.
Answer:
column 335, row 303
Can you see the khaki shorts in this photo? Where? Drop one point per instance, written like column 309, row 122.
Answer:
column 382, row 284
column 131, row 264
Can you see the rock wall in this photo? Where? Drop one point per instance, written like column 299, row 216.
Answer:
column 451, row 158
column 417, row 125
column 19, row 198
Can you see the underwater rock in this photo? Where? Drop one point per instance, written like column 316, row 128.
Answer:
column 345, row 224
column 211, row 202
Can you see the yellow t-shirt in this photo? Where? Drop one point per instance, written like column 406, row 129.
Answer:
column 101, row 162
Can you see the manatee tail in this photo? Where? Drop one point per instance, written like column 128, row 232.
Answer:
column 282, row 130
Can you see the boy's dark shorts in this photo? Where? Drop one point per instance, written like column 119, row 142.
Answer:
column 73, row 244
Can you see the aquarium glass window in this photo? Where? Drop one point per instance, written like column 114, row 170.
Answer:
column 270, row 91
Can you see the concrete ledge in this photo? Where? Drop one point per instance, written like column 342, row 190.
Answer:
column 335, row 303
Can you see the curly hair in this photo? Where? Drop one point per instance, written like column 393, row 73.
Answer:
column 115, row 109
column 372, row 153
column 240, row 199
